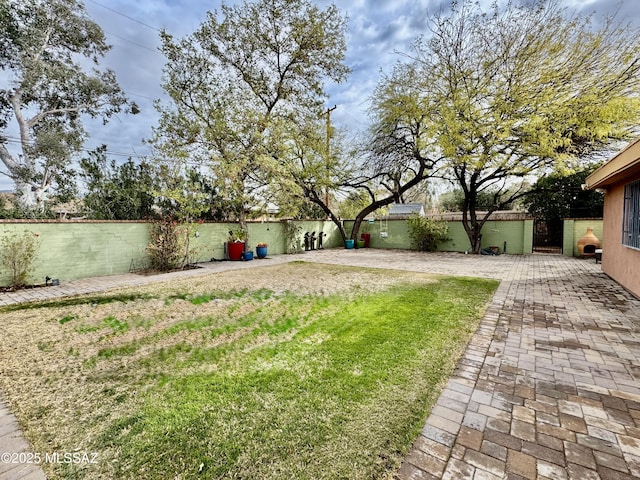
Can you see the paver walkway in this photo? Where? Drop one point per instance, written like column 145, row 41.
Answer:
column 549, row 386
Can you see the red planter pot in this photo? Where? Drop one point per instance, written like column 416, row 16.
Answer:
column 235, row 250
column 366, row 237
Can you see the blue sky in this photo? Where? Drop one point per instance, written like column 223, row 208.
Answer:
column 378, row 30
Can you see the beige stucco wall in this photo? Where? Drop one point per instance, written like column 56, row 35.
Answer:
column 618, row 261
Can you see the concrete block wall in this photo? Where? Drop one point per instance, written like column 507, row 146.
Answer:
column 77, row 250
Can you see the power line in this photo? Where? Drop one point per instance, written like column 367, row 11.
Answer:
column 16, row 140
column 124, row 15
column 154, row 50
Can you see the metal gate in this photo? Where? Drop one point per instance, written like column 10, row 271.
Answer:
column 547, row 236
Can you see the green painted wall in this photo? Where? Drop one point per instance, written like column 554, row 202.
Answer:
column 69, row 250
column 77, row 250
column 394, row 234
column 574, row 229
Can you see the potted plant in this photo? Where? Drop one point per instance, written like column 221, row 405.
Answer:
column 261, row 250
column 365, row 236
column 235, row 245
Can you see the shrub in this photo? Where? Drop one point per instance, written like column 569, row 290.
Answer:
column 168, row 246
column 291, row 233
column 17, row 256
column 426, row 233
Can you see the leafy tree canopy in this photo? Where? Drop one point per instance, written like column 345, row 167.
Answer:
column 117, row 191
column 453, row 201
column 42, row 43
column 559, row 196
column 239, row 85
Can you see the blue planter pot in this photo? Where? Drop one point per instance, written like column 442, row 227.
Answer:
column 247, row 256
column 261, row 252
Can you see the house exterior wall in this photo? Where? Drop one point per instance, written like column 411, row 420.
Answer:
column 620, row 262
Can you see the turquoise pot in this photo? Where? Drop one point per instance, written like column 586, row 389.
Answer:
column 348, row 243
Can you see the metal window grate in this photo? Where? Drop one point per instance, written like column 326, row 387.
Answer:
column 631, row 215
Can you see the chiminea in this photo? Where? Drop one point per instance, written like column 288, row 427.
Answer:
column 588, row 244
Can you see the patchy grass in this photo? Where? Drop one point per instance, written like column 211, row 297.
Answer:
column 305, row 371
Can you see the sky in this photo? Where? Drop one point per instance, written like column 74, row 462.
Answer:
column 379, row 32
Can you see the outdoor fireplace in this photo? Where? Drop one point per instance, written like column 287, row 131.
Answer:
column 588, row 244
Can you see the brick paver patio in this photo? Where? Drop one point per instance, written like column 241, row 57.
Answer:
column 548, row 388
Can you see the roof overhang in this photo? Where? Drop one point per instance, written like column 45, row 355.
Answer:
column 625, row 163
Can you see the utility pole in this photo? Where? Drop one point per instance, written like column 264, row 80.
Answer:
column 328, row 149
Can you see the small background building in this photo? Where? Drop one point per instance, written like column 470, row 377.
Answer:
column 619, row 181
column 404, row 210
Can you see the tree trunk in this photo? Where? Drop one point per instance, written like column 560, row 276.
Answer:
column 473, row 226
column 28, row 195
column 470, row 219
column 31, row 197
column 242, row 220
column 313, row 196
column 356, row 228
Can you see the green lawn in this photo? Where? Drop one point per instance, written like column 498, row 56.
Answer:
column 213, row 378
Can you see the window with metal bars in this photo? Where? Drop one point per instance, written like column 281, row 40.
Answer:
column 631, row 217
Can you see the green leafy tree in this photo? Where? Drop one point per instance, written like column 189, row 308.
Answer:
column 559, row 196
column 394, row 160
column 453, row 201
column 238, row 83
column 355, row 202
column 400, row 156
column 309, row 173
column 515, row 91
column 213, row 206
column 42, row 45
column 117, row 191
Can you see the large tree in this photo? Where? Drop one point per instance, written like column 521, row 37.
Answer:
column 49, row 88
column 558, row 196
column 396, row 157
column 520, row 90
column 309, row 171
column 239, row 83
column 400, row 153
